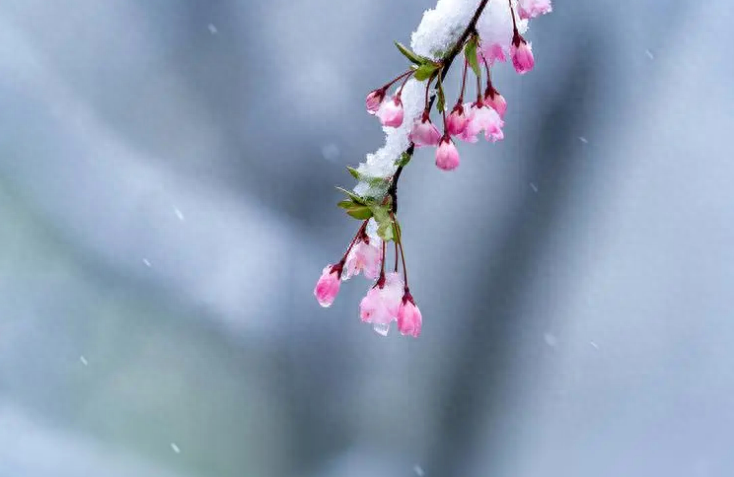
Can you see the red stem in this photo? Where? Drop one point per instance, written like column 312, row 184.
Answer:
column 463, row 81
column 354, row 241
column 398, row 79
column 514, row 23
column 400, row 91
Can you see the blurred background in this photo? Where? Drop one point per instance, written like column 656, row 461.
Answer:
column 167, row 204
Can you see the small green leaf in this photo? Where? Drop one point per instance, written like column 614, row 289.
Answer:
column 470, row 53
column 353, row 172
column 352, row 195
column 403, row 160
column 360, row 212
column 346, row 204
column 425, row 71
column 417, row 59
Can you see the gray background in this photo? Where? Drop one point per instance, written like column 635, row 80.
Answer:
column 166, row 205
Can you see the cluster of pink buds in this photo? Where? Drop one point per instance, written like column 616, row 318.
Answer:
column 467, row 119
column 389, row 299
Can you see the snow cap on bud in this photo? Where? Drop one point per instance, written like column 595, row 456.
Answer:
column 424, row 132
column 381, row 304
column 447, row 157
column 456, row 121
column 409, row 316
column 533, row 8
column 328, row 285
column 496, row 101
column 522, row 55
column 391, row 112
column 374, row 100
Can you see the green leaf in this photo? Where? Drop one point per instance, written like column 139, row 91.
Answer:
column 403, row 160
column 346, row 204
column 353, row 172
column 425, row 71
column 352, row 196
column 417, row 59
column 470, row 53
column 360, row 212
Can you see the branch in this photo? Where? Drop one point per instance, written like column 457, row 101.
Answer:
column 445, row 62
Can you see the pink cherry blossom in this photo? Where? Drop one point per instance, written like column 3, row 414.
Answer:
column 522, row 55
column 496, row 101
column 391, row 112
column 409, row 316
column 365, row 256
column 492, row 52
column 483, row 118
column 381, row 304
column 533, row 8
column 374, row 100
column 457, row 120
column 328, row 285
column 424, row 133
column 447, row 156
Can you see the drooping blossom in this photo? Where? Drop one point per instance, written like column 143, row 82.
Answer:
column 391, row 112
column 533, row 8
column 410, row 319
column 381, row 304
column 522, row 55
column 365, row 256
column 328, row 285
column 456, row 121
column 496, row 101
column 447, row 156
column 483, row 119
column 424, row 132
column 374, row 100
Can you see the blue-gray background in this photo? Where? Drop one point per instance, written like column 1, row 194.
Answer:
column 166, row 205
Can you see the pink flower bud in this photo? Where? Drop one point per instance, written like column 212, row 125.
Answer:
column 424, row 133
column 409, row 316
column 522, row 55
column 457, row 120
column 483, row 118
column 496, row 101
column 366, row 256
column 328, row 285
column 447, row 157
column 391, row 112
column 374, row 100
column 533, row 8
column 381, row 304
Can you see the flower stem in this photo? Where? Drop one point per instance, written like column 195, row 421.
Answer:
column 463, row 82
column 514, row 22
column 410, row 71
column 360, row 232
